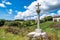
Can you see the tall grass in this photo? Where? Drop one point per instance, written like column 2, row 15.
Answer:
column 52, row 32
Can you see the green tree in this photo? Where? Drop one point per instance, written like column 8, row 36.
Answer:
column 2, row 22
column 48, row 18
column 19, row 20
column 41, row 21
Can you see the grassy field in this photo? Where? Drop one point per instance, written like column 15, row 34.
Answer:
column 54, row 33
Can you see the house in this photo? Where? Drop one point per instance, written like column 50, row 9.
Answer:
column 56, row 18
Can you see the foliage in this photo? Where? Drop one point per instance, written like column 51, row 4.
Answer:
column 2, row 22
column 13, row 23
column 13, row 30
column 19, row 20
column 52, row 33
column 41, row 21
column 29, row 23
column 48, row 18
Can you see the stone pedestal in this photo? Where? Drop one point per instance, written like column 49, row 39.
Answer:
column 37, row 35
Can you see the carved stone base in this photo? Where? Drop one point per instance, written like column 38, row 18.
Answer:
column 38, row 35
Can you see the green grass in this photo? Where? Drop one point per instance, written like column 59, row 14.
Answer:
column 24, row 31
column 53, row 32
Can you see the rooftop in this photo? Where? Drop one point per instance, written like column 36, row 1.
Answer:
column 56, row 16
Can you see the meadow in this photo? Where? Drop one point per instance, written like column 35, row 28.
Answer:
column 28, row 26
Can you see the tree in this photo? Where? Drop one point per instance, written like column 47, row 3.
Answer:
column 19, row 20
column 2, row 22
column 41, row 21
column 48, row 18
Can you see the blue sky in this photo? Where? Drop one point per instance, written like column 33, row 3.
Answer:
column 16, row 5
column 26, row 9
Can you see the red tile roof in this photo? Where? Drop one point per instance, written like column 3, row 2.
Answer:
column 56, row 16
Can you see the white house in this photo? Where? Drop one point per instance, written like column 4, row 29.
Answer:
column 56, row 18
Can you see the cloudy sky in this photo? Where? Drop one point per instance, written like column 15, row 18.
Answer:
column 26, row 9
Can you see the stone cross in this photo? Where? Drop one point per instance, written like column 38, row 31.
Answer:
column 38, row 34
column 38, row 5
column 38, row 11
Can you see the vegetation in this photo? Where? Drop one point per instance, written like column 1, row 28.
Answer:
column 18, row 30
column 13, row 23
column 48, row 18
column 2, row 22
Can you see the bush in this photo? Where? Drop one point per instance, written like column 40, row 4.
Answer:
column 2, row 22
column 12, row 30
column 27, row 23
column 13, row 23
column 48, row 18
column 41, row 21
column 19, row 20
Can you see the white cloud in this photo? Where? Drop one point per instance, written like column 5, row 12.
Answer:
column 41, row 17
column 50, row 14
column 2, row 5
column 8, row 3
column 58, row 12
column 19, row 15
column 49, row 4
column 46, row 6
column 29, row 12
column 10, row 11
column 32, row 6
column 53, row 14
column 25, row 7
column 3, row 1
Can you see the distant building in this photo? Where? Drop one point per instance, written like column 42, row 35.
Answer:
column 56, row 19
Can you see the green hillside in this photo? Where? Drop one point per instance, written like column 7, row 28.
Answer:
column 25, row 27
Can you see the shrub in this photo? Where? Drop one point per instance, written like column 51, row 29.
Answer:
column 19, row 20
column 41, row 21
column 27, row 23
column 2, row 22
column 13, row 30
column 13, row 23
column 48, row 18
